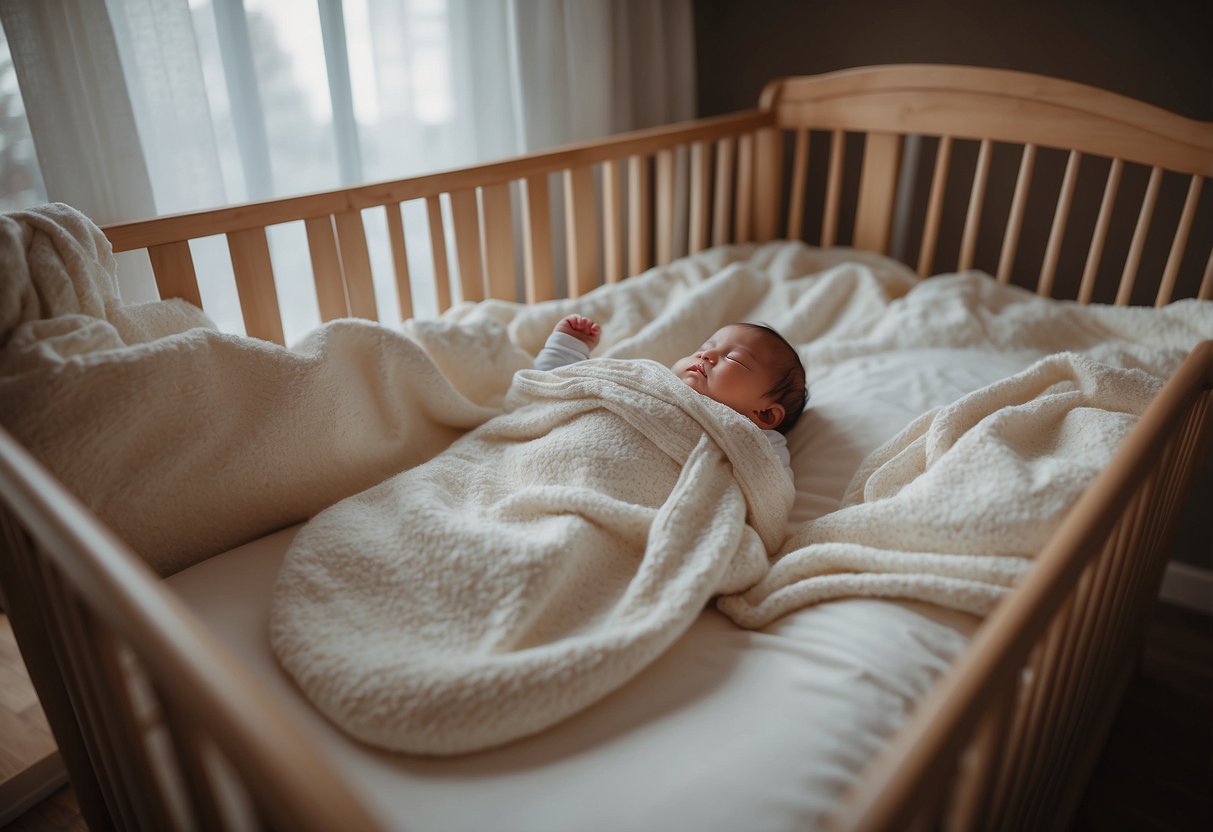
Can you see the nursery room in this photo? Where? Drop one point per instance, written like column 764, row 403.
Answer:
column 606, row 414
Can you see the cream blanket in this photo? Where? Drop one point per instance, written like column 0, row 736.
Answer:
column 536, row 565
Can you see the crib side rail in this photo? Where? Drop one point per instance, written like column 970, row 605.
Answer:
column 1009, row 736
column 1056, row 186
column 159, row 726
column 611, row 207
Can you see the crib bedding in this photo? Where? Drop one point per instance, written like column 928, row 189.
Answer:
column 532, row 567
column 729, row 728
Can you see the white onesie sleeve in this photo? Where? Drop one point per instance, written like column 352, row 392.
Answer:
column 560, row 351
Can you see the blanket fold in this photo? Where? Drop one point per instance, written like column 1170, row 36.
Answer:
column 536, row 565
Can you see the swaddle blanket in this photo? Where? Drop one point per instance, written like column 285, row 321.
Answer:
column 534, row 566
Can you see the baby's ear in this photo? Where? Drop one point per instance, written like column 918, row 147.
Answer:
column 771, row 417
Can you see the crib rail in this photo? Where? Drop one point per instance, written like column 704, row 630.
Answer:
column 160, row 728
column 611, row 205
column 1009, row 737
column 1057, row 180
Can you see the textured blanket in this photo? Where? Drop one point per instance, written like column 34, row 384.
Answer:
column 533, row 567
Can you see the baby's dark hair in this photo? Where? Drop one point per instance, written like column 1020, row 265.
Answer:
column 791, row 390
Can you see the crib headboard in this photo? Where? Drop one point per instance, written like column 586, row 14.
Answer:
column 1045, row 183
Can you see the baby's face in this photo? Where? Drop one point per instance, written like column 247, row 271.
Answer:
column 735, row 367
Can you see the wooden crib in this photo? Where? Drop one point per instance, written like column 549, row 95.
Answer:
column 156, row 720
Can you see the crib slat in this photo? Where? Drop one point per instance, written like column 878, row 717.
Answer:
column 745, row 189
column 701, row 171
column 400, row 260
column 326, row 268
column 581, row 229
column 1061, row 216
column 1167, row 286
column 612, row 239
column 971, row 807
column 537, row 240
column 356, row 265
column 638, row 214
column 1019, row 202
column 800, row 168
column 466, row 222
column 250, row 253
column 665, row 206
column 877, row 192
column 723, row 191
column 498, row 227
column 977, row 196
column 1087, row 288
column 829, row 224
column 930, row 231
column 442, row 277
column 767, row 173
column 173, row 266
column 1129, row 275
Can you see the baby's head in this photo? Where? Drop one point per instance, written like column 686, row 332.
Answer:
column 752, row 369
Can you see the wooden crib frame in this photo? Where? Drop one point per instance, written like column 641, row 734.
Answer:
column 1008, row 737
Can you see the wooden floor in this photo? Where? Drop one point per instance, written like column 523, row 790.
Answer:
column 1156, row 772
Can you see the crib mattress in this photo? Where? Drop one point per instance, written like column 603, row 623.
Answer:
column 730, row 728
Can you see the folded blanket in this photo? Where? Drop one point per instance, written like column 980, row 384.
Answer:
column 953, row 509
column 536, row 565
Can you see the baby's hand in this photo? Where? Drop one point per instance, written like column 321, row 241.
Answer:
column 580, row 327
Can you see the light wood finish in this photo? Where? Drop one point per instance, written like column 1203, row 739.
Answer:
column 1057, row 233
column 701, row 173
column 977, row 195
column 581, row 230
column 995, row 104
column 639, row 233
column 466, row 223
column 143, row 233
column 173, row 266
column 356, row 265
column 744, row 206
column 1179, row 242
column 612, row 233
column 118, row 594
column 800, row 173
column 1206, row 282
column 1019, row 202
column 1129, row 276
column 1086, row 289
column 930, row 233
column 537, row 240
column 400, row 261
column 497, row 225
column 829, row 223
column 250, row 253
column 326, row 268
column 722, row 194
column 767, row 177
column 664, row 220
column 877, row 191
column 442, row 276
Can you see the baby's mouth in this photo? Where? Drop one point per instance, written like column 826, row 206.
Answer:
column 699, row 368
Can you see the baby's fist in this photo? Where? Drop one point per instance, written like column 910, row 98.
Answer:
column 580, row 327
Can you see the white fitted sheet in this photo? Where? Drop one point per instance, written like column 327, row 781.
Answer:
column 730, row 728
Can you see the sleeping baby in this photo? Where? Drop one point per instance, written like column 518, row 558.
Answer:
column 748, row 367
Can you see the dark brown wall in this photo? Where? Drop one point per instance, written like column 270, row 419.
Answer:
column 1160, row 51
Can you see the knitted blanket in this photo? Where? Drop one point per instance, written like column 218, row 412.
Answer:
column 534, row 566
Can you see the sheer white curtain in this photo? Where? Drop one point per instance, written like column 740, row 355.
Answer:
column 144, row 107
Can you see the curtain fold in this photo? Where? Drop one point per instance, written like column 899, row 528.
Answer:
column 190, row 104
